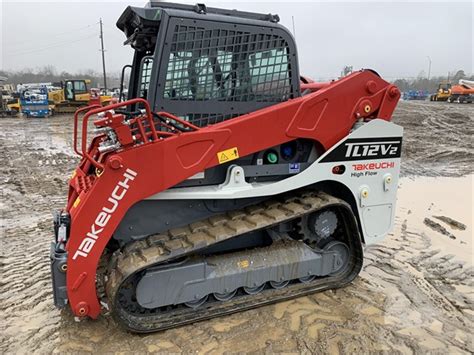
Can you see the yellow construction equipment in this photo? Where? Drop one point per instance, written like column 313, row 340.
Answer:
column 443, row 93
column 7, row 101
column 73, row 95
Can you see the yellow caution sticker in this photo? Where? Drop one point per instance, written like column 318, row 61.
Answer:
column 76, row 202
column 228, row 155
column 243, row 264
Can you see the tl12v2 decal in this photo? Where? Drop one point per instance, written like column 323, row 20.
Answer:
column 366, row 149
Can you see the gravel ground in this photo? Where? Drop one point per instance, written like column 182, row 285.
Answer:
column 414, row 295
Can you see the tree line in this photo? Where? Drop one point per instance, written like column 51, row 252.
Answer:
column 430, row 85
column 49, row 74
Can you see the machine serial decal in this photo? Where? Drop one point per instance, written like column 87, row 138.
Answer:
column 104, row 215
column 366, row 149
column 228, row 155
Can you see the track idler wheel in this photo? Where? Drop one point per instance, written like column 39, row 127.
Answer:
column 342, row 259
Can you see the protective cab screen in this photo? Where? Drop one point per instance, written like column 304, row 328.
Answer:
column 222, row 65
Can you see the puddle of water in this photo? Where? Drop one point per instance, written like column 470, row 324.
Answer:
column 426, row 197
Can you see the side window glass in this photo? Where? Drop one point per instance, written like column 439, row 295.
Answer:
column 145, row 76
column 79, row 87
column 177, row 84
column 269, row 73
column 69, row 91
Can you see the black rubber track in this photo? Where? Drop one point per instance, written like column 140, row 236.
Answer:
column 127, row 265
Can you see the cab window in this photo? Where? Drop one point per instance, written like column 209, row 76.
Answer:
column 145, row 76
column 80, row 87
column 69, row 91
column 225, row 65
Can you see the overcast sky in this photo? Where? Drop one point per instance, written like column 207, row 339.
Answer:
column 394, row 38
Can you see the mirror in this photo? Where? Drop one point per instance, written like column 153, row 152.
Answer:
column 122, row 78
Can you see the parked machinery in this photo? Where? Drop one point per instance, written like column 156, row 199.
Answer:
column 225, row 182
column 419, row 95
column 463, row 92
column 34, row 101
column 8, row 108
column 73, row 95
column 443, row 92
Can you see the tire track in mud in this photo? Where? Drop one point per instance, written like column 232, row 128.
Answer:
column 26, row 290
column 434, row 308
column 408, row 298
column 29, row 193
column 437, row 138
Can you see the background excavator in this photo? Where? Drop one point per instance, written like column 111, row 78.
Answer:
column 226, row 181
column 73, row 95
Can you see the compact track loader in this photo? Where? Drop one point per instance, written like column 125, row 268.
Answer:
column 227, row 181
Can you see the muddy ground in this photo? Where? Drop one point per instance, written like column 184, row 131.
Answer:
column 415, row 293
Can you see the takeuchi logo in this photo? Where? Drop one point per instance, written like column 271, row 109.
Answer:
column 105, row 214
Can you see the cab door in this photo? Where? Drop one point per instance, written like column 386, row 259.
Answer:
column 69, row 91
column 81, row 93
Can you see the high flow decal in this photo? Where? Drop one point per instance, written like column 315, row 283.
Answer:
column 104, row 215
column 366, row 149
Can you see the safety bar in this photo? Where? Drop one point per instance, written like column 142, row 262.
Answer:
column 85, row 121
column 177, row 119
column 76, row 118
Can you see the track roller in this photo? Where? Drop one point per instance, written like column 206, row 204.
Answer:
column 197, row 303
column 254, row 290
column 224, row 296
column 279, row 285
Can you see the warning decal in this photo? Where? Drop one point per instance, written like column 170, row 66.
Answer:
column 227, row 155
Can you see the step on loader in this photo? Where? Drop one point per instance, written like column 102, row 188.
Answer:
column 226, row 180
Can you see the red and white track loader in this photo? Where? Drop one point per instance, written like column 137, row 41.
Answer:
column 226, row 181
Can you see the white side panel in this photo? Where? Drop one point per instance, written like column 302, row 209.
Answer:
column 373, row 182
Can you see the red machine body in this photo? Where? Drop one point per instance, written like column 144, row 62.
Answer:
column 95, row 97
column 154, row 157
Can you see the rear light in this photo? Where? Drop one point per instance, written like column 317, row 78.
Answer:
column 338, row 169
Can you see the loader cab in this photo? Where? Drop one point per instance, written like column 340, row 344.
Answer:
column 444, row 88
column 76, row 90
column 208, row 65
